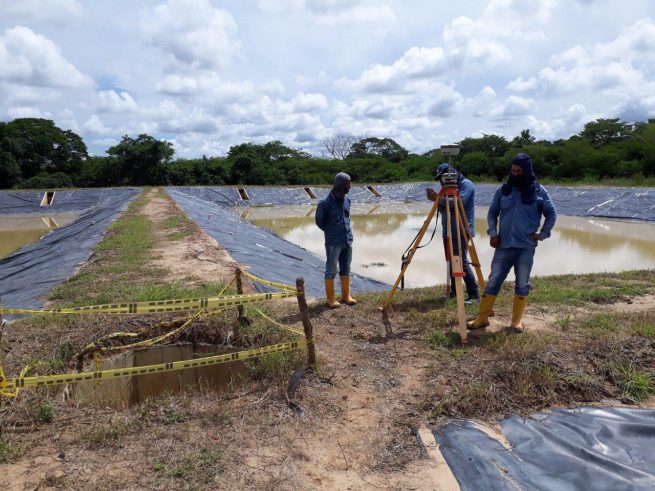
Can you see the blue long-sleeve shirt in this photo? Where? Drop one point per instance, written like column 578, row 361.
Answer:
column 467, row 193
column 519, row 221
column 333, row 218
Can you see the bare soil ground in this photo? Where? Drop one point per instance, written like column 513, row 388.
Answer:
column 379, row 387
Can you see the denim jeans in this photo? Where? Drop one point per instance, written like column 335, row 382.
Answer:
column 505, row 259
column 469, row 277
column 338, row 255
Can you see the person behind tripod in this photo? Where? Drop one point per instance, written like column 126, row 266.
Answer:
column 466, row 191
column 333, row 218
column 519, row 203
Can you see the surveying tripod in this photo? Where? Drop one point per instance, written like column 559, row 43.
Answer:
column 450, row 194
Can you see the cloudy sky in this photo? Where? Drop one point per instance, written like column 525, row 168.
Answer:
column 208, row 74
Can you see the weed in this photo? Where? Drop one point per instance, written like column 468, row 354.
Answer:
column 564, row 322
column 644, row 329
column 171, row 416
column 9, row 451
column 159, row 467
column 601, row 325
column 633, row 383
column 44, row 412
column 199, row 466
column 443, row 339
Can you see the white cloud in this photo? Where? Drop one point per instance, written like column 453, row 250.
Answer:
column 30, row 59
column 193, row 32
column 177, row 85
column 114, row 102
column 43, row 9
column 26, row 112
column 521, row 85
column 512, row 107
column 333, row 12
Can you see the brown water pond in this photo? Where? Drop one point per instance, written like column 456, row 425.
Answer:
column 17, row 231
column 383, row 232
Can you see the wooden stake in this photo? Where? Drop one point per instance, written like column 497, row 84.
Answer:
column 239, row 278
column 306, row 323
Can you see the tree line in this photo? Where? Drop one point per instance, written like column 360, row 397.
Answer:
column 36, row 154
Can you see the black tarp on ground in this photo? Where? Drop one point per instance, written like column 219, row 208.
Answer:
column 624, row 203
column 27, row 275
column 267, row 255
column 65, row 201
column 600, row 449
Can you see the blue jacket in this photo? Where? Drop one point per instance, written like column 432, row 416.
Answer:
column 518, row 221
column 333, row 218
column 467, row 193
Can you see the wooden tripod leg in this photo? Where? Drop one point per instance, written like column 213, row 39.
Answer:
column 475, row 260
column 415, row 246
column 458, row 271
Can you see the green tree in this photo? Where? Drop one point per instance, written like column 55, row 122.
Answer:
column 38, row 146
column 142, row 160
column 605, row 131
column 525, row 138
column 378, row 147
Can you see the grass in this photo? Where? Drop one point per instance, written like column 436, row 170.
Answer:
column 644, row 329
column 635, row 384
column 198, row 466
column 9, row 451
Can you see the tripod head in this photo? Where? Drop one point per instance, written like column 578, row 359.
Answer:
column 446, row 174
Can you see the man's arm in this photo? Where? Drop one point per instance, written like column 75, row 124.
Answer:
column 492, row 215
column 550, row 213
column 321, row 216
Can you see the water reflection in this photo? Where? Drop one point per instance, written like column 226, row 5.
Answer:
column 383, row 232
column 19, row 230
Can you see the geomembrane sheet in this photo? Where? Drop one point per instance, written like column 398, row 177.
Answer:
column 590, row 448
column 267, row 255
column 30, row 273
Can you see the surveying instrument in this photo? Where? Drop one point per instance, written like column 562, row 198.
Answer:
column 449, row 193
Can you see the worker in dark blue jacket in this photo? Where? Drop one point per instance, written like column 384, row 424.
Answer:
column 519, row 204
column 467, row 194
column 333, row 218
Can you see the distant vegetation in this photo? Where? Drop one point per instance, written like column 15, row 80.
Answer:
column 34, row 153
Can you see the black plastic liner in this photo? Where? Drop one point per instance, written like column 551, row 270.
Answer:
column 27, row 275
column 588, row 448
column 267, row 254
column 623, row 203
column 22, row 202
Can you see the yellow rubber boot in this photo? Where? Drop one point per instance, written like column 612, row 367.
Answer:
column 345, row 291
column 482, row 320
column 329, row 293
column 520, row 301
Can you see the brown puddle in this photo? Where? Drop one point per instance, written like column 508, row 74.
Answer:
column 383, row 232
column 17, row 231
column 126, row 391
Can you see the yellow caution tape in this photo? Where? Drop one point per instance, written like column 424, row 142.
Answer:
column 279, row 286
column 10, row 387
column 279, row 324
column 159, row 306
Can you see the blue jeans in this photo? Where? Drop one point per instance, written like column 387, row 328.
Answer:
column 341, row 255
column 505, row 259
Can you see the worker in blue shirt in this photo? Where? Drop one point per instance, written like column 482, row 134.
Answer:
column 520, row 203
column 333, row 218
column 467, row 194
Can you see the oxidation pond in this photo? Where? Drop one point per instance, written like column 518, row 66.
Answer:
column 383, row 232
column 19, row 230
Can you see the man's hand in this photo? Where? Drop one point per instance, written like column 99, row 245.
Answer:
column 431, row 194
column 536, row 237
column 494, row 241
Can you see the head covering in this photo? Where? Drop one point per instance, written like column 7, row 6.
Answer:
column 444, row 168
column 526, row 182
column 339, row 187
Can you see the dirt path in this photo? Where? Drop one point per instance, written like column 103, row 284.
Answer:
column 192, row 255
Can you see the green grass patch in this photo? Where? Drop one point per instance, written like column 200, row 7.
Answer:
column 175, row 221
column 601, row 325
column 198, row 466
column 634, row 383
column 644, row 329
column 9, row 451
column 443, row 339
